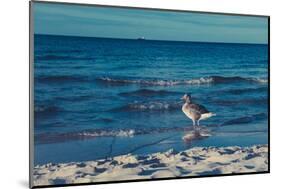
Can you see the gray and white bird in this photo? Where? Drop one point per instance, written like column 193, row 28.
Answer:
column 195, row 112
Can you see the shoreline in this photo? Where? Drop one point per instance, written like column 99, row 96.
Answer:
column 197, row 161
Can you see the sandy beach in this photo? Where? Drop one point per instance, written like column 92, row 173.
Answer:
column 197, row 161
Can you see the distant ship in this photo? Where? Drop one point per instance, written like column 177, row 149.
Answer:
column 141, row 38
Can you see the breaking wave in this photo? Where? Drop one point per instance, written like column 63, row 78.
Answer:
column 95, row 133
column 199, row 81
column 150, row 106
column 148, row 82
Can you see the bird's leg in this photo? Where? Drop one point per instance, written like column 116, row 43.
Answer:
column 198, row 125
column 197, row 129
column 194, row 125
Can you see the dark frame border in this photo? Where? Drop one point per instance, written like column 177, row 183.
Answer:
column 31, row 93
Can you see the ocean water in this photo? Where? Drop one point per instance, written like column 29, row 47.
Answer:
column 97, row 97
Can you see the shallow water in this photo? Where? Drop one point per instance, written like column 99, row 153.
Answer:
column 96, row 98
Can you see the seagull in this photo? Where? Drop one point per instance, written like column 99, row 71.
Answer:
column 195, row 112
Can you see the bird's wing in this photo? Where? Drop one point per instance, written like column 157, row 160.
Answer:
column 198, row 108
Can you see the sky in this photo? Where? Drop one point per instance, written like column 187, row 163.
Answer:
column 93, row 21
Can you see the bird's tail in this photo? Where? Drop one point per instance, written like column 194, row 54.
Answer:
column 207, row 115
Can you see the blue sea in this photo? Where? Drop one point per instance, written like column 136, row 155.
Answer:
column 97, row 98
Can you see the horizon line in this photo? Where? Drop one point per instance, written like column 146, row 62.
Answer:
column 151, row 39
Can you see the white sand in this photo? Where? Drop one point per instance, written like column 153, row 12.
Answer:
column 193, row 162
